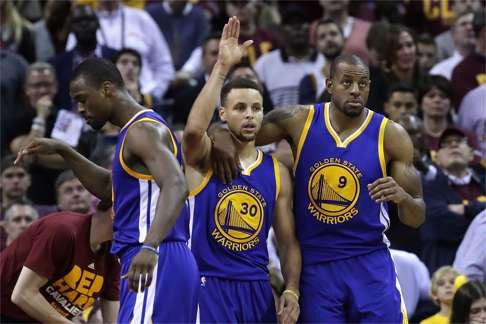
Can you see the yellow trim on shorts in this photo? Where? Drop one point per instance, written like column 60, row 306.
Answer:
column 202, row 185
column 350, row 138
column 381, row 146
column 303, row 135
column 276, row 170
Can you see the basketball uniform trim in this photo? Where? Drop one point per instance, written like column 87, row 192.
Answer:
column 350, row 138
column 254, row 165
column 133, row 118
column 381, row 146
column 202, row 185
column 130, row 171
column 303, row 135
column 276, row 168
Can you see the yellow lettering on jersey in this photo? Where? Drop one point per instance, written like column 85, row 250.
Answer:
column 431, row 12
column 481, row 78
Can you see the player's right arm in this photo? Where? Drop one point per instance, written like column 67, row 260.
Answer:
column 282, row 123
column 94, row 178
column 195, row 142
column 27, row 297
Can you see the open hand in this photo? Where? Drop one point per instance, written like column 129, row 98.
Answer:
column 139, row 274
column 39, row 146
column 386, row 189
column 230, row 52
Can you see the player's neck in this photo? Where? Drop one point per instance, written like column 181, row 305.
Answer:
column 247, row 153
column 126, row 108
column 341, row 122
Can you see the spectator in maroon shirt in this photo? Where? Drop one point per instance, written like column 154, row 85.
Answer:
column 58, row 267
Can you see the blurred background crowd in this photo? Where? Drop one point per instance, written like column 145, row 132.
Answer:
column 427, row 61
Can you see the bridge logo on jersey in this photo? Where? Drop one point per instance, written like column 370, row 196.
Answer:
column 239, row 218
column 333, row 190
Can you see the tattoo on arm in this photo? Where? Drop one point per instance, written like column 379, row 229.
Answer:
column 280, row 114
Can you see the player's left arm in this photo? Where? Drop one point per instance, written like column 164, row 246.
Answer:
column 403, row 186
column 152, row 144
column 289, row 249
column 109, row 310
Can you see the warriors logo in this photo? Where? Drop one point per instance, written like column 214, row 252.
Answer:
column 333, row 191
column 239, row 218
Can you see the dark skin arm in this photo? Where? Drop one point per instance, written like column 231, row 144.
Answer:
column 148, row 149
column 281, row 123
column 289, row 249
column 94, row 178
column 403, row 186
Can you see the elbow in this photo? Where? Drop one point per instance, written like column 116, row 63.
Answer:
column 19, row 297
column 180, row 186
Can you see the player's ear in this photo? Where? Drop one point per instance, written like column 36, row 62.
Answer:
column 222, row 114
column 107, row 89
column 329, row 85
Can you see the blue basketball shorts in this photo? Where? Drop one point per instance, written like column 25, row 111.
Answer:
column 235, row 301
column 172, row 295
column 362, row 289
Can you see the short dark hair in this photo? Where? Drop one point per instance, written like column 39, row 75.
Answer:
column 329, row 21
column 8, row 162
column 96, row 71
column 400, row 87
column 240, row 83
column 437, row 81
column 426, row 38
column 463, row 299
column 215, row 35
column 350, row 59
column 479, row 21
column 65, row 176
column 244, row 63
column 377, row 35
column 130, row 51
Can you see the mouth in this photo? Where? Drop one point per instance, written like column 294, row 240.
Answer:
column 355, row 103
column 249, row 127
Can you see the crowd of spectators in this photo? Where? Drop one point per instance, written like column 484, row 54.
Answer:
column 427, row 61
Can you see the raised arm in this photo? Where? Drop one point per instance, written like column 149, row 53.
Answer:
column 196, row 143
column 94, row 178
column 289, row 250
column 403, row 186
column 151, row 144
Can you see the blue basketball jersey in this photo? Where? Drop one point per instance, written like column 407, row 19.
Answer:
column 231, row 221
column 135, row 194
column 334, row 213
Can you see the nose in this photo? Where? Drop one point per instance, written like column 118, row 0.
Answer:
column 354, row 89
column 81, row 109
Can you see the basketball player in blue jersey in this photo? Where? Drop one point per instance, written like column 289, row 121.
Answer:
column 348, row 163
column 149, row 190
column 231, row 222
